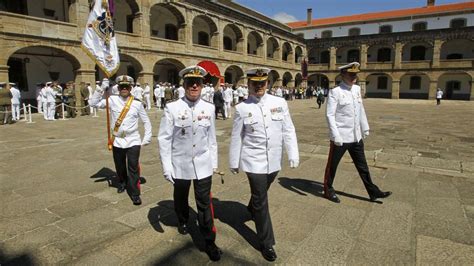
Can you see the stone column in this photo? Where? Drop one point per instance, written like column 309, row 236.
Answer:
column 432, row 91
column 146, row 77
column 472, row 91
column 363, row 56
column 436, row 53
column 83, row 75
column 138, row 25
column 397, row 62
column 395, row 89
column 363, row 88
column 332, row 58
column 4, row 73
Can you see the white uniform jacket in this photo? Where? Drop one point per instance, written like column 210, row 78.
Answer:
column 259, row 131
column 137, row 92
column 345, row 114
column 50, row 94
column 16, row 95
column 228, row 95
column 128, row 134
column 187, row 139
column 181, row 92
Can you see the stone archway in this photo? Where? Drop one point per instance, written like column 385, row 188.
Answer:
column 31, row 65
column 457, row 49
column 204, row 31
column 287, row 53
column 414, row 85
column 233, row 38
column 273, row 79
column 378, row 85
column 455, row 85
column 272, row 48
column 167, row 22
column 254, row 44
column 287, row 79
column 126, row 12
column 318, row 80
column 166, row 70
column 233, row 75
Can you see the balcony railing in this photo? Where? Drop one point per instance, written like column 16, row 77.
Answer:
column 457, row 63
column 416, row 64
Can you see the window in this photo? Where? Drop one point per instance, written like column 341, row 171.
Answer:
column 203, row 38
column 284, row 56
column 419, row 26
column 415, row 83
column 382, row 83
column 417, row 53
column 324, row 57
column 354, row 32
column 454, row 56
column 457, row 23
column 453, row 85
column 326, row 34
column 171, row 32
column 385, row 29
column 353, row 55
column 384, row 55
column 227, row 43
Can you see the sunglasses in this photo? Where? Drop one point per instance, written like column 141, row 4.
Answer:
column 192, row 81
column 124, row 86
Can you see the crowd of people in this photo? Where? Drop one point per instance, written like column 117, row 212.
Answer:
column 54, row 98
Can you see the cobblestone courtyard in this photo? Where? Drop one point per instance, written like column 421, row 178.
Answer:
column 58, row 205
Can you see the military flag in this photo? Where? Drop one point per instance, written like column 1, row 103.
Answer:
column 99, row 40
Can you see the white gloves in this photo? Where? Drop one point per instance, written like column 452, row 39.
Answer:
column 338, row 141
column 234, row 170
column 169, row 177
column 105, row 84
column 366, row 134
column 294, row 163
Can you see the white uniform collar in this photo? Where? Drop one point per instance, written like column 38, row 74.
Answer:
column 345, row 85
column 190, row 103
column 258, row 99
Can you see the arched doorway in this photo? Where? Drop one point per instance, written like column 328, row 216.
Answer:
column 233, row 75
column 298, row 54
column 204, row 31
column 348, row 54
column 457, row 49
column 456, row 86
column 298, row 80
column 417, row 51
column 318, row 80
column 273, row 78
column 130, row 66
column 378, row 85
column 125, row 15
column 166, row 22
column 287, row 78
column 414, row 86
column 287, row 52
column 272, row 48
column 166, row 70
column 254, row 44
column 233, row 38
column 39, row 64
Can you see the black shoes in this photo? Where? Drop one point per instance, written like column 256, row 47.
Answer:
column 182, row 228
column 380, row 195
column 332, row 197
column 136, row 200
column 121, row 188
column 213, row 251
column 269, row 254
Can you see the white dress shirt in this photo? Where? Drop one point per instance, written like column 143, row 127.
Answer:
column 345, row 114
column 16, row 95
column 260, row 129
column 128, row 134
column 187, row 139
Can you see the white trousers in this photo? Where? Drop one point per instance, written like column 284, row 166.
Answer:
column 48, row 110
column 40, row 106
column 158, row 102
column 16, row 111
column 227, row 110
column 147, row 101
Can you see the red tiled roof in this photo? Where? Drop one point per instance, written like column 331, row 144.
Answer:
column 386, row 14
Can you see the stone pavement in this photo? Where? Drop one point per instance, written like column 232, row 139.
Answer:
column 58, row 205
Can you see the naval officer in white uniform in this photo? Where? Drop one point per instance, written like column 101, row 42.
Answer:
column 188, row 150
column 262, row 126
column 127, row 141
column 348, row 125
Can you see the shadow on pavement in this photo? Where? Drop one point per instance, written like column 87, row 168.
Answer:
column 108, row 175
column 164, row 213
column 20, row 259
column 235, row 214
column 304, row 187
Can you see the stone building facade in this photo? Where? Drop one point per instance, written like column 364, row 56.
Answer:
column 403, row 53
column 40, row 40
